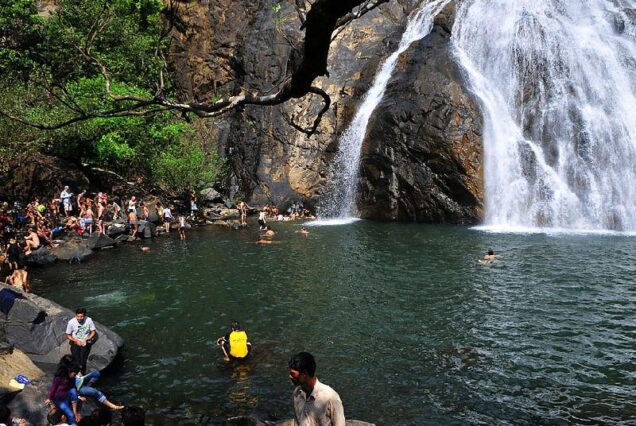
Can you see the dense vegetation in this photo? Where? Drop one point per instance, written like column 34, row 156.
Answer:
column 52, row 68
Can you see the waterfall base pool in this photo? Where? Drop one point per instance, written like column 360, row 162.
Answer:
column 403, row 321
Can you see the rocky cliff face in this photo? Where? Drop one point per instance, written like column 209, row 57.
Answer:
column 421, row 158
column 230, row 46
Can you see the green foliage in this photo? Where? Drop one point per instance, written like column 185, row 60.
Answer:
column 50, row 72
column 186, row 165
column 278, row 19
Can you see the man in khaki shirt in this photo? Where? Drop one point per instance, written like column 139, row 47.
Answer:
column 315, row 404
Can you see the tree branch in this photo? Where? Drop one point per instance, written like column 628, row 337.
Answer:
column 306, row 62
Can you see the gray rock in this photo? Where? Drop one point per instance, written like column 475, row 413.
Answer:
column 210, row 195
column 41, row 257
column 72, row 251
column 98, row 241
column 117, row 228
column 422, row 156
column 146, row 229
column 44, row 340
column 24, row 311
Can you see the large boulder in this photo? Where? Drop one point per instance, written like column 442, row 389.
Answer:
column 37, row 327
column 74, row 250
column 42, row 256
column 98, row 241
column 422, row 156
column 210, row 195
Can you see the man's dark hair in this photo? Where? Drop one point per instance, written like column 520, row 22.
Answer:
column 303, row 362
column 54, row 416
column 491, row 252
column 80, row 311
column 99, row 417
column 235, row 325
column 133, row 416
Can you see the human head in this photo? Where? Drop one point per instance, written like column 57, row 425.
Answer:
column 133, row 416
column 80, row 314
column 235, row 326
column 55, row 416
column 302, row 368
column 491, row 252
column 66, row 187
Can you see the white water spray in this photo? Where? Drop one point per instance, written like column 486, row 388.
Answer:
column 557, row 83
column 340, row 201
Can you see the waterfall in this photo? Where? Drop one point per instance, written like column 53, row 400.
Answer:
column 339, row 203
column 556, row 80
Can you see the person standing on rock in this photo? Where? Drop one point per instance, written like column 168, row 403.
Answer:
column 167, row 218
column 13, row 254
column 182, row 227
column 315, row 404
column 81, row 333
column 65, row 196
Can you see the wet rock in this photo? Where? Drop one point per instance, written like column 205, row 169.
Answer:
column 229, row 214
column 41, row 257
column 98, row 241
column 146, row 229
column 72, row 251
column 422, row 157
column 43, row 338
column 117, row 228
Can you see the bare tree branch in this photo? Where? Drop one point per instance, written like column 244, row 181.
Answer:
column 361, row 11
column 326, row 104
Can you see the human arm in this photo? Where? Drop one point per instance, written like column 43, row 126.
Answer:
column 336, row 412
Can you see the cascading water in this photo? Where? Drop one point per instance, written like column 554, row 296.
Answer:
column 557, row 83
column 340, row 201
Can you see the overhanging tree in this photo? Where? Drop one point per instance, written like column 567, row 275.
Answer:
column 85, row 33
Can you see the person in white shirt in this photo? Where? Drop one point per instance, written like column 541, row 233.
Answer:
column 81, row 333
column 315, row 404
column 66, row 201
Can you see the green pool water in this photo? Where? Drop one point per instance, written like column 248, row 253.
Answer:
column 403, row 321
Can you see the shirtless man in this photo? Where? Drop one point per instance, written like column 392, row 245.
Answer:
column 132, row 221
column 489, row 257
column 182, row 227
column 20, row 279
column 88, row 215
column 32, row 242
column 242, row 208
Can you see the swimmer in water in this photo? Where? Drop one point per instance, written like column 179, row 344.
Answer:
column 489, row 257
column 303, row 230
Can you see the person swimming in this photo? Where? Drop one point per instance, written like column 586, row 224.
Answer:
column 303, row 230
column 489, row 257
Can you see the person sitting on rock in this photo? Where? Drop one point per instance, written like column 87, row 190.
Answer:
column 20, row 279
column 32, row 241
column 83, row 388
column 234, row 344
column 60, row 392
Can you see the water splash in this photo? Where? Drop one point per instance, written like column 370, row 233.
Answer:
column 557, row 83
column 340, row 201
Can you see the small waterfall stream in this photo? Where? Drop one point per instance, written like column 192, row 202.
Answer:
column 339, row 203
column 556, row 80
